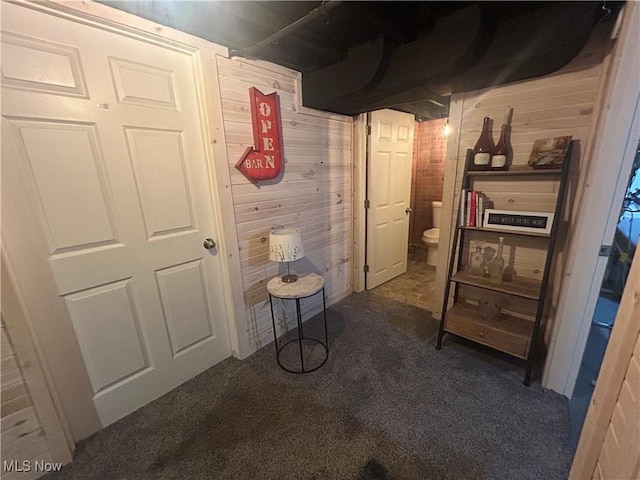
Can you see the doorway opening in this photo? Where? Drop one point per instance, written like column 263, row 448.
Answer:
column 416, row 286
column 620, row 255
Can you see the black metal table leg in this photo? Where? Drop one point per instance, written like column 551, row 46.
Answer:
column 273, row 321
column 324, row 311
column 300, row 333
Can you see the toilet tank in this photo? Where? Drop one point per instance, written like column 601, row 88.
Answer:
column 436, row 208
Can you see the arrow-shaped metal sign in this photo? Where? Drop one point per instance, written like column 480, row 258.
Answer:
column 264, row 160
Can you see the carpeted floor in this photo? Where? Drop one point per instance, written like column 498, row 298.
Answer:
column 386, row 405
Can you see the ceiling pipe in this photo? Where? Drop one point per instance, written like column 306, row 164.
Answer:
column 274, row 38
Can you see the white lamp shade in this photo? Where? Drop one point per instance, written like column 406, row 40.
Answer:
column 285, row 245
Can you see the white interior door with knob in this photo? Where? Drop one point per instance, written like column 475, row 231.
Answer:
column 103, row 149
column 388, row 192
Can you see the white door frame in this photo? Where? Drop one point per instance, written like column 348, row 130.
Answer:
column 204, row 55
column 360, row 153
column 359, row 196
column 616, row 140
column 388, row 190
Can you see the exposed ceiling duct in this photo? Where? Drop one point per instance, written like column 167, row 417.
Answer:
column 444, row 49
column 362, row 56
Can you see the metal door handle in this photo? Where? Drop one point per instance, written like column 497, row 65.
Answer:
column 409, row 210
column 209, row 243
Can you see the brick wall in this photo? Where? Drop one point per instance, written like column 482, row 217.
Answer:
column 429, row 153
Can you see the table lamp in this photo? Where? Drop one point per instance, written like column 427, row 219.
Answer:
column 285, row 245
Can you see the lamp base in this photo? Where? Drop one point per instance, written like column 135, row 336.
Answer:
column 289, row 278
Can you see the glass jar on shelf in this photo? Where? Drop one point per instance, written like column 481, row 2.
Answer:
column 476, row 263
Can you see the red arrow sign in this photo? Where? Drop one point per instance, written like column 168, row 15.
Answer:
column 263, row 161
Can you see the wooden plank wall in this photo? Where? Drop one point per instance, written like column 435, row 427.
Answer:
column 620, row 454
column 314, row 194
column 23, row 436
column 563, row 103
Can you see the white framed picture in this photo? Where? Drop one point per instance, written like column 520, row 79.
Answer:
column 512, row 220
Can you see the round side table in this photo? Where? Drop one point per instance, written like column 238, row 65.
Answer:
column 306, row 286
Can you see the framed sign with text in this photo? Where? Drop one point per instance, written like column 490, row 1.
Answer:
column 529, row 222
column 264, row 160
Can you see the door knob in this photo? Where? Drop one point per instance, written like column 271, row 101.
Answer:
column 209, row 243
column 409, row 210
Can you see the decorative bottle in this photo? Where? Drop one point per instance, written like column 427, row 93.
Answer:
column 499, row 157
column 496, row 267
column 476, row 266
column 483, row 148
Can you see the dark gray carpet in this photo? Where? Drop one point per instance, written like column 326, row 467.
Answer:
column 386, row 405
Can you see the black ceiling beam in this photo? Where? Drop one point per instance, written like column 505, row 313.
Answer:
column 362, row 67
column 420, row 94
column 436, row 105
column 423, row 110
column 452, row 41
column 449, row 45
column 323, row 49
column 274, row 38
column 433, row 104
column 531, row 45
column 263, row 16
column 257, row 14
column 364, row 10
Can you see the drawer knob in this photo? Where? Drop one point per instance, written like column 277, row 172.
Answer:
column 481, row 334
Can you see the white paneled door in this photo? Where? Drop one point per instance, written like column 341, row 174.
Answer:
column 103, row 148
column 388, row 192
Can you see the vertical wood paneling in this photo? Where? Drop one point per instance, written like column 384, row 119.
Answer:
column 314, row 194
column 619, row 457
column 563, row 103
column 23, row 436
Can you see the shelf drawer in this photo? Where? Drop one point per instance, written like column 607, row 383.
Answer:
column 509, row 334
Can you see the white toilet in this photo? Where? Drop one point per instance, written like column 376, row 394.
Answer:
column 431, row 237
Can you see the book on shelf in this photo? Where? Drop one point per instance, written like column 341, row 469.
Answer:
column 473, row 208
column 473, row 204
column 483, row 202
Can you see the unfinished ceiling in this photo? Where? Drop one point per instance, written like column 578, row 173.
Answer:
column 362, row 56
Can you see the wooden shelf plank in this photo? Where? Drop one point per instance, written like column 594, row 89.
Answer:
column 507, row 334
column 520, row 287
column 509, row 232
column 515, row 170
